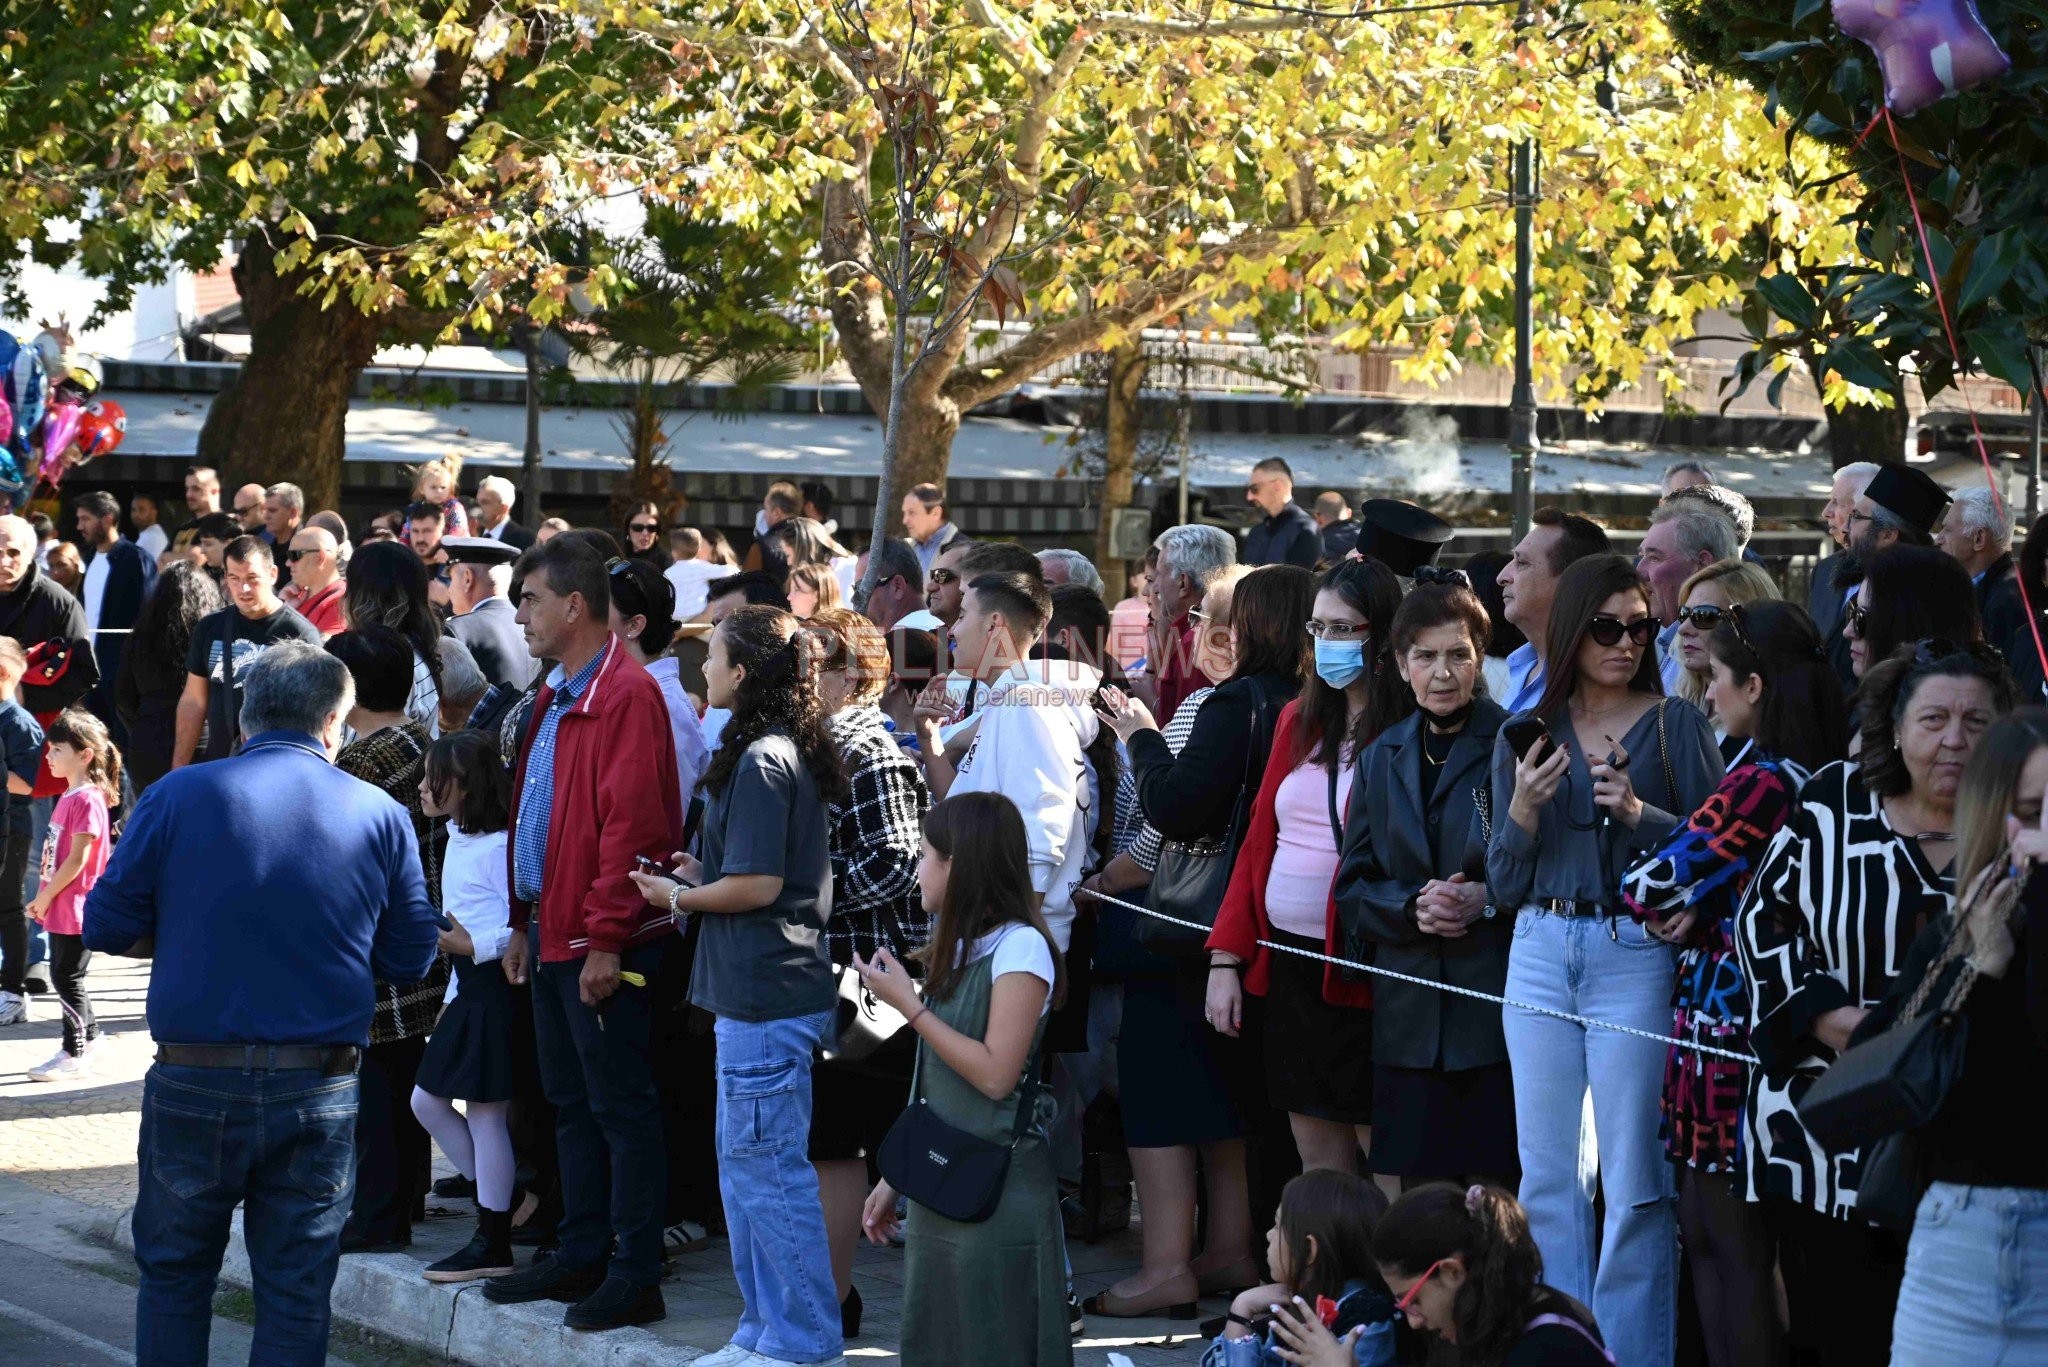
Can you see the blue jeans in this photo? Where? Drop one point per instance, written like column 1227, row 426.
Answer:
column 282, row 1144
column 595, row 1069
column 1572, row 963
column 772, row 1210
column 1976, row 1287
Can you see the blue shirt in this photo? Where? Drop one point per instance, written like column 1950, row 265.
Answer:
column 1525, row 679
column 1670, row 667
column 537, row 803
column 21, row 749
column 267, row 930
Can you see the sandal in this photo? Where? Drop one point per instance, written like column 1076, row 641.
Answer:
column 1109, row 1305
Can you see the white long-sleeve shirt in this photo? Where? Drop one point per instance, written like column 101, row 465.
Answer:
column 475, row 892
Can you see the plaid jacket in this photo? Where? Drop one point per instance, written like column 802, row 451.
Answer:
column 393, row 759
column 877, row 834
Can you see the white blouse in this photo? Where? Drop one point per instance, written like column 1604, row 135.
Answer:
column 476, row 892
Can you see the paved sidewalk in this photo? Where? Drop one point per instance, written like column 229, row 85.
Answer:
column 76, row 1141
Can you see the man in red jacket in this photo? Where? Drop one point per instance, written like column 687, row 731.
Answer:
column 594, row 789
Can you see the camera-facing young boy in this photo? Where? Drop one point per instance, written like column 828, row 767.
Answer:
column 21, row 751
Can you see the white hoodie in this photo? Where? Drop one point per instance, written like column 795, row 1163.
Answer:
column 1036, row 726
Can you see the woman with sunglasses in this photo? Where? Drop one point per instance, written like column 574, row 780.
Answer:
column 1462, row 1265
column 1706, row 598
column 1610, row 775
column 645, row 535
column 1909, row 593
column 1774, row 693
column 1862, row 864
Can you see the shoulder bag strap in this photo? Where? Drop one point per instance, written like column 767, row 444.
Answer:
column 1336, row 819
column 1664, row 753
column 1027, row 1093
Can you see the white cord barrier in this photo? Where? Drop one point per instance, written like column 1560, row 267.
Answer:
column 1585, row 1021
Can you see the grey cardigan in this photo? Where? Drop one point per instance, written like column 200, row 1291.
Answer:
column 1572, row 855
column 1393, row 844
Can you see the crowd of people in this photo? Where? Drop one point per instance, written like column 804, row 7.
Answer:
column 1441, row 960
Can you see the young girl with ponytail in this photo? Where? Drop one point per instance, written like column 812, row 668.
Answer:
column 761, row 891
column 1462, row 1265
column 74, row 856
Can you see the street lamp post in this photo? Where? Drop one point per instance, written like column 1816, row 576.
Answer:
column 1522, row 440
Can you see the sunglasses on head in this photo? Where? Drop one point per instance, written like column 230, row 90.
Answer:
column 1608, row 631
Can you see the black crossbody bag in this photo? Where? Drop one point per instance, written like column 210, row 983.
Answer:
column 942, row 1167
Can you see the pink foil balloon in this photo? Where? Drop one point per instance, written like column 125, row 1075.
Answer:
column 1927, row 49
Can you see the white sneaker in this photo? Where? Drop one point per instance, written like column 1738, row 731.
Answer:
column 64, row 1066
column 13, row 1010
column 759, row 1360
column 732, row 1355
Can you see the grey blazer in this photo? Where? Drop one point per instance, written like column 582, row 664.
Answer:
column 1393, row 844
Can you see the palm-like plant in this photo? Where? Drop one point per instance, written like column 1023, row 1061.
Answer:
column 706, row 301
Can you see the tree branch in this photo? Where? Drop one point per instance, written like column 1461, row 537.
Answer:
column 1011, row 38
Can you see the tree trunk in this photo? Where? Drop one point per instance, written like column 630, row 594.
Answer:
column 529, row 462
column 929, row 426
column 1858, row 432
column 282, row 417
column 1121, row 414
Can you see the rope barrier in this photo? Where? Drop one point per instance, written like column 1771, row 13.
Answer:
column 1585, row 1021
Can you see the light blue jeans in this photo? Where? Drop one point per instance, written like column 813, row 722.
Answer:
column 1976, row 1287
column 1574, row 964
column 772, row 1211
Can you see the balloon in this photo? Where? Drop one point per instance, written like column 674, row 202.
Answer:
column 1927, row 49
column 101, row 429
column 60, row 429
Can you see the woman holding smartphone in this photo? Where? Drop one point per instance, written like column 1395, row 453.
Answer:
column 762, row 890
column 1597, row 774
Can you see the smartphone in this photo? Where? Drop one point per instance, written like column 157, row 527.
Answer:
column 1525, row 735
column 649, row 866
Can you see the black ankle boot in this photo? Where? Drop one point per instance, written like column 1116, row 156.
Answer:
column 849, row 1314
column 488, row 1254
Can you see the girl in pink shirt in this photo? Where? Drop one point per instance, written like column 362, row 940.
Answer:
column 74, row 855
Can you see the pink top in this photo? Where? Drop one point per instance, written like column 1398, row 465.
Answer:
column 1305, row 861
column 79, row 811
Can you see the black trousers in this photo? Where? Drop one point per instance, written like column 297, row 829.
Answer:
column 69, row 961
column 394, row 1157
column 14, row 842
column 686, row 1079
column 531, row 1119
column 1841, row 1284
column 594, row 1062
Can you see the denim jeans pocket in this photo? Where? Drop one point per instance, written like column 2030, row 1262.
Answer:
column 1936, row 1207
column 323, row 1157
column 185, row 1146
column 760, row 1109
column 1525, row 923
column 1630, row 933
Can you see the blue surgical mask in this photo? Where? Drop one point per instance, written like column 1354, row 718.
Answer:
column 1339, row 663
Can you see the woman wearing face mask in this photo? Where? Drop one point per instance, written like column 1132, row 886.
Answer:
column 1318, row 1037
column 1411, row 893
column 1613, row 771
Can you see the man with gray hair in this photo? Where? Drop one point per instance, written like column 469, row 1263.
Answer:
column 1070, row 567
column 1720, row 496
column 1829, row 591
column 1190, row 558
column 1686, row 535
column 1977, row 533
column 495, row 496
column 267, row 938
column 1687, row 474
column 284, row 508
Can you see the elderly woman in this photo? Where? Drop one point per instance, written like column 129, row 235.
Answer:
column 1705, row 599
column 875, row 840
column 1861, row 866
column 1411, row 893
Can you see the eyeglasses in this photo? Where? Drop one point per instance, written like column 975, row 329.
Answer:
column 1408, row 1297
column 1608, row 631
column 1703, row 617
column 1854, row 616
column 1863, row 517
column 1339, row 631
column 941, row 578
column 648, row 528
column 1430, row 574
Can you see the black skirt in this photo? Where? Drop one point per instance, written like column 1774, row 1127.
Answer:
column 1180, row 1081
column 1431, row 1125
column 1318, row 1057
column 469, row 1057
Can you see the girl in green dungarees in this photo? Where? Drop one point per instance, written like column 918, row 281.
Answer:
column 992, row 1293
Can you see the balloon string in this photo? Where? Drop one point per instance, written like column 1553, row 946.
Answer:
column 1956, row 353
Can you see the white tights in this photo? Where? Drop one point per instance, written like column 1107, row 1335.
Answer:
column 479, row 1143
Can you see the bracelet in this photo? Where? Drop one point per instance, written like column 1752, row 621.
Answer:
column 1236, row 966
column 922, row 1010
column 674, row 894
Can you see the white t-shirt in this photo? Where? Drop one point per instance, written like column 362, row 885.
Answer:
column 153, row 540
column 96, row 589
column 692, row 580
column 1017, row 948
column 474, row 891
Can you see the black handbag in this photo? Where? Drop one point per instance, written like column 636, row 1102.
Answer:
column 1192, row 876
column 942, row 1167
column 1891, row 1177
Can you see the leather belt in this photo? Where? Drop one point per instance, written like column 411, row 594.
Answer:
column 330, row 1060
column 1565, row 906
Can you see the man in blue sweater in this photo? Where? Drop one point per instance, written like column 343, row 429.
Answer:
column 267, row 937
